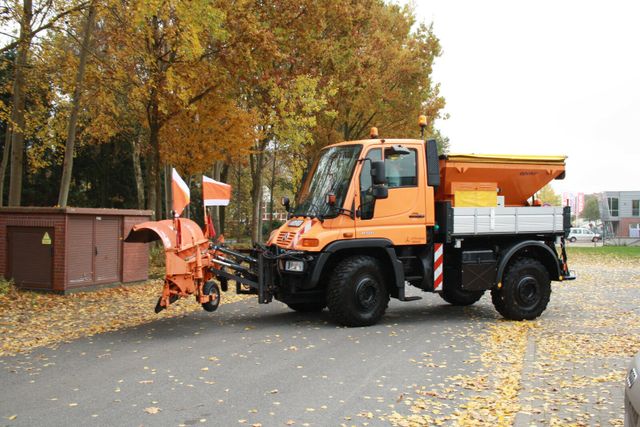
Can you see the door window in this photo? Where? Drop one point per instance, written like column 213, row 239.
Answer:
column 613, row 206
column 401, row 171
column 367, row 201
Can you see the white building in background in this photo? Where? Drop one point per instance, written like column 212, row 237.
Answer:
column 278, row 211
column 620, row 213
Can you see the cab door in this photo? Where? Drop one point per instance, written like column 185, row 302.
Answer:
column 401, row 217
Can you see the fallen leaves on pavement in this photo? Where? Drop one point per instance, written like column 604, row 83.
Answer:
column 32, row 319
column 576, row 355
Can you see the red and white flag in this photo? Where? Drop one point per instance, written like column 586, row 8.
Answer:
column 181, row 193
column 215, row 193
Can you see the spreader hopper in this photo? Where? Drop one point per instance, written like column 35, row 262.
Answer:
column 479, row 179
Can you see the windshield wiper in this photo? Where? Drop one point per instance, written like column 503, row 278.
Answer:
column 343, row 211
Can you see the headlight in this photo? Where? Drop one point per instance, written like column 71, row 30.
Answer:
column 294, row 266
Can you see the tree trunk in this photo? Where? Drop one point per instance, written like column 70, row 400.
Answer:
column 257, row 164
column 154, row 200
column 18, row 113
column 273, row 185
column 168, row 190
column 224, row 175
column 239, row 217
column 153, row 162
column 137, row 171
column 67, row 167
column 5, row 161
column 215, row 210
column 159, row 192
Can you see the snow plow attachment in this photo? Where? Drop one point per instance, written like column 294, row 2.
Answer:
column 196, row 266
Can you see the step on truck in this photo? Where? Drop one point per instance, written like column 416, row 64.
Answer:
column 377, row 217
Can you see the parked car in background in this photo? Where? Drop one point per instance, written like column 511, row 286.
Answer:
column 632, row 394
column 581, row 234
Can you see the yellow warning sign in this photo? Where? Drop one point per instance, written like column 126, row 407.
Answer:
column 46, row 240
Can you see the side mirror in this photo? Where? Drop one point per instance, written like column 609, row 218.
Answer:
column 378, row 174
column 433, row 164
column 286, row 203
column 380, row 191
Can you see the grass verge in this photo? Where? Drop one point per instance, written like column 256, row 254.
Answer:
column 600, row 252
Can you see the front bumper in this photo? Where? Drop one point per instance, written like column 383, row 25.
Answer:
column 284, row 283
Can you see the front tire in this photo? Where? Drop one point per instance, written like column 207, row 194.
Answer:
column 356, row 294
column 525, row 292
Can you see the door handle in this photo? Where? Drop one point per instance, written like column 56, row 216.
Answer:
column 95, row 250
column 416, row 215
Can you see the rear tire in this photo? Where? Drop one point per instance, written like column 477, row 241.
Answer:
column 525, row 292
column 357, row 295
column 573, row 240
column 455, row 295
column 307, row 307
column 211, row 288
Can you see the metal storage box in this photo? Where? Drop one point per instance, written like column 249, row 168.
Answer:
column 64, row 249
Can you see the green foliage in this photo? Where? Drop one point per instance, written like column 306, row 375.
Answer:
column 156, row 260
column 591, row 211
column 601, row 252
column 548, row 196
column 6, row 286
column 193, row 84
column 269, row 226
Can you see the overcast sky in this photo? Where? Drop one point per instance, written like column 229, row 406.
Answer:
column 544, row 77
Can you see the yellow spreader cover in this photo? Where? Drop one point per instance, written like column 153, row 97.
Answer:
column 507, row 158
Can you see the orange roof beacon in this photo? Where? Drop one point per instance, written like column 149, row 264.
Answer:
column 379, row 216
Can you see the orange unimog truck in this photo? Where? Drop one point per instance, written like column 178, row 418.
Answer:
column 377, row 217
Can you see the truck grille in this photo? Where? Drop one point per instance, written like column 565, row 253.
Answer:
column 285, row 237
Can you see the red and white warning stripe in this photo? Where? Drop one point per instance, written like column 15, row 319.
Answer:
column 438, row 258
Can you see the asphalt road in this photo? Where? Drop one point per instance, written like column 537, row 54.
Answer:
column 243, row 365
column 426, row 362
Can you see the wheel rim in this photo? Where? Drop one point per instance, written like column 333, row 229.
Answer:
column 528, row 292
column 213, row 290
column 366, row 293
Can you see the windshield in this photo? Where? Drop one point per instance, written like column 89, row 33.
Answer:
column 331, row 173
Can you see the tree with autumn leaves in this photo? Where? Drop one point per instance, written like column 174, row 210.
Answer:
column 247, row 91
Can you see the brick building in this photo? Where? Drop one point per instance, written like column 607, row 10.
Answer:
column 64, row 249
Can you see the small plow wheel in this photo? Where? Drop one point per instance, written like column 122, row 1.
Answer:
column 211, row 288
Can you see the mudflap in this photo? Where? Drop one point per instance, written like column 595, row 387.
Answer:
column 566, row 273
